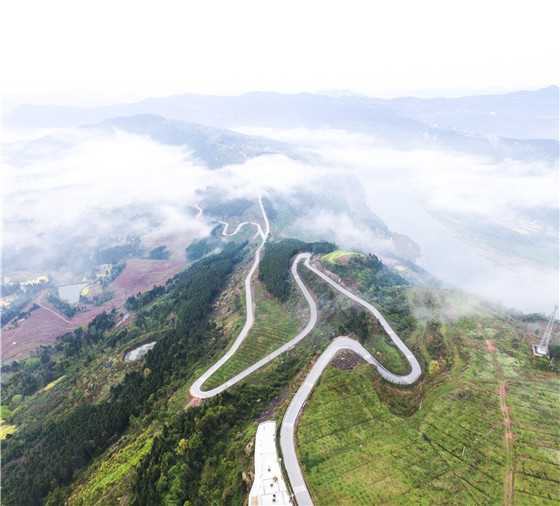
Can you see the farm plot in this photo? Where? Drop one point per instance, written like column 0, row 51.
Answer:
column 353, row 450
column 337, row 255
column 45, row 324
column 274, row 326
column 536, row 439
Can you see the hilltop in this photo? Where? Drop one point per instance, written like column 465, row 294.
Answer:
column 125, row 425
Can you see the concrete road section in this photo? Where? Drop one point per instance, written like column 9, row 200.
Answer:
column 269, row 487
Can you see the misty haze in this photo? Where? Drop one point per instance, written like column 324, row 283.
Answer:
column 173, row 270
column 480, row 206
column 280, row 253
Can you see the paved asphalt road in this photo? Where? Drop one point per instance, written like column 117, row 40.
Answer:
column 195, row 389
column 291, row 462
column 340, row 343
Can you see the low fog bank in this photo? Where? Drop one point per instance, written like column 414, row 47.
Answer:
column 488, row 227
column 516, row 283
column 77, row 191
column 80, row 190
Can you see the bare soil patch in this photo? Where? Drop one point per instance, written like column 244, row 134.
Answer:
column 42, row 327
column 273, row 407
column 141, row 275
column 46, row 324
column 490, row 346
column 195, row 401
column 347, row 361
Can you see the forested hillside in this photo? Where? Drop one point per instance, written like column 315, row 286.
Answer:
column 86, row 427
column 46, row 454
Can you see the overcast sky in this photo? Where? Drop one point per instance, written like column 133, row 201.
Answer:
column 118, row 50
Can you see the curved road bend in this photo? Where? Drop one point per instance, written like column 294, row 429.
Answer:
column 291, row 462
column 195, row 389
column 340, row 343
column 389, row 376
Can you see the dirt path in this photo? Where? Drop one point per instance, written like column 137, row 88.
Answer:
column 195, row 401
column 509, row 437
column 508, row 434
column 40, row 304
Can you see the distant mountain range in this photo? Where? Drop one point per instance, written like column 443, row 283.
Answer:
column 215, row 147
column 520, row 125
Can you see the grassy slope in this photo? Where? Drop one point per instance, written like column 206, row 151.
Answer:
column 357, row 449
column 108, row 479
column 338, row 254
column 274, row 326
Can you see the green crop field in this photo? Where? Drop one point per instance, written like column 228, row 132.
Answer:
column 355, row 449
column 335, row 255
column 274, row 325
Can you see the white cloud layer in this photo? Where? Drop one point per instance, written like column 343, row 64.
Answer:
column 81, row 182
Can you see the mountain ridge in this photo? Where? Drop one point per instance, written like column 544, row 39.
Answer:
column 541, row 106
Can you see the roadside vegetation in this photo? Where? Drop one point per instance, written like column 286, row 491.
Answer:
column 274, row 326
column 42, row 458
column 81, row 425
column 338, row 254
column 274, row 269
column 480, row 427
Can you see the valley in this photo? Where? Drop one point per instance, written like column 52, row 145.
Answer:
column 272, row 355
column 364, row 273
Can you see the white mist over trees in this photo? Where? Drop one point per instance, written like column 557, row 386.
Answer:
column 483, row 208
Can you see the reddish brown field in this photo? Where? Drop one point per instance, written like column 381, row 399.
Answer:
column 141, row 275
column 46, row 323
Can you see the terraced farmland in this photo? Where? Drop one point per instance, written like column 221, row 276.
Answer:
column 355, row 451
column 274, row 325
column 489, row 435
column 534, row 408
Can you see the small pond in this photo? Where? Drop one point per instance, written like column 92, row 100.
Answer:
column 71, row 293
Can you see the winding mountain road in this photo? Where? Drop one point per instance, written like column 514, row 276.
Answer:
column 340, row 343
column 195, row 389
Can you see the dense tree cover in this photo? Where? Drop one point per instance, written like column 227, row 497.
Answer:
column 199, row 457
column 355, row 321
column 199, row 454
column 274, row 269
column 201, row 247
column 554, row 351
column 435, row 342
column 28, row 377
column 11, row 314
column 382, row 285
column 66, row 309
column 117, row 253
column 32, row 375
column 10, row 289
column 14, row 309
column 116, row 269
column 40, row 459
column 142, row 299
column 530, row 317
